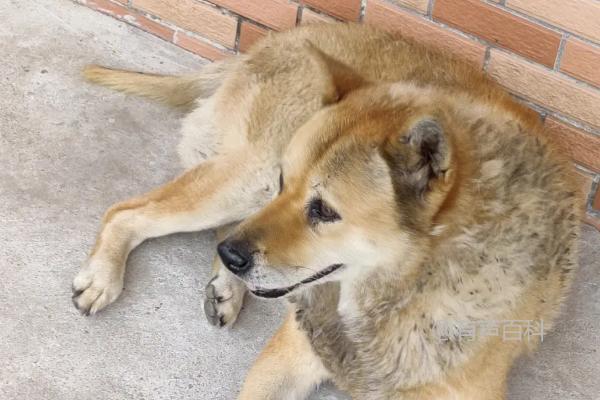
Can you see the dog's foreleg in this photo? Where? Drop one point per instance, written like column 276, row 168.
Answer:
column 287, row 369
column 217, row 192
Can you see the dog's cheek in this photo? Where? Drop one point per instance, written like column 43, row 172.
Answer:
column 366, row 249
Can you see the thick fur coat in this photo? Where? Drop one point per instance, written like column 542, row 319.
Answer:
column 388, row 190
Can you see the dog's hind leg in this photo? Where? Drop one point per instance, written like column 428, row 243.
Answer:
column 224, row 293
column 220, row 191
column 287, row 368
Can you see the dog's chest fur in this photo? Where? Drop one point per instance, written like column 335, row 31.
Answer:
column 376, row 354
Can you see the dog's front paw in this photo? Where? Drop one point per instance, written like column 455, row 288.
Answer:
column 224, row 296
column 97, row 285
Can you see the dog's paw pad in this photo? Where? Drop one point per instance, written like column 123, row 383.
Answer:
column 223, row 300
column 212, row 315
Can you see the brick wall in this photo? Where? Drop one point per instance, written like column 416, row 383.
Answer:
column 546, row 52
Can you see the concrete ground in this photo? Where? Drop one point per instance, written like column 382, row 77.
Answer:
column 69, row 150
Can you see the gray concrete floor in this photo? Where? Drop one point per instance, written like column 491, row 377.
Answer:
column 69, row 150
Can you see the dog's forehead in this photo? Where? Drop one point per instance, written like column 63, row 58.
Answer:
column 336, row 137
column 326, row 153
column 310, row 142
column 344, row 160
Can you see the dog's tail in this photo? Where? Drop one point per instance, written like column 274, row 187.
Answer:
column 176, row 91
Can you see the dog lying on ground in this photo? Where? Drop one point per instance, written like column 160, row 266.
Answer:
column 386, row 189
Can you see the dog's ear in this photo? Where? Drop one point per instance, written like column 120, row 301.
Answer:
column 338, row 78
column 419, row 157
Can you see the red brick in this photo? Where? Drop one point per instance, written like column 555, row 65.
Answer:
column 153, row 27
column 581, row 146
column 596, row 201
column 582, row 61
column 311, row 17
column 108, row 7
column 500, row 28
column 194, row 16
column 419, row 5
column 348, row 10
column 199, row 47
column 548, row 88
column 132, row 18
column 276, row 14
column 577, row 16
column 408, row 25
column 249, row 34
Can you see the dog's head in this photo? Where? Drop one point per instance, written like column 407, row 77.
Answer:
column 360, row 184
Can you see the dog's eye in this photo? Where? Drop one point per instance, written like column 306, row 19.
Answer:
column 319, row 211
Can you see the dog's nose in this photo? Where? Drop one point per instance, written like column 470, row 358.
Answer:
column 236, row 255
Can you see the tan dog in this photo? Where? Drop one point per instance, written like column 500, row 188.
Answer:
column 415, row 195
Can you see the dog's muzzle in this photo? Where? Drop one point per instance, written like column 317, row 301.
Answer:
column 278, row 292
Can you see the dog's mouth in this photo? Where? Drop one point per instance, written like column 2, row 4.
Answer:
column 278, row 292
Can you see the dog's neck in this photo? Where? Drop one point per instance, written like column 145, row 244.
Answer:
column 395, row 283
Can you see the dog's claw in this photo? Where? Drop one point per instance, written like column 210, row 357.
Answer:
column 210, row 307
